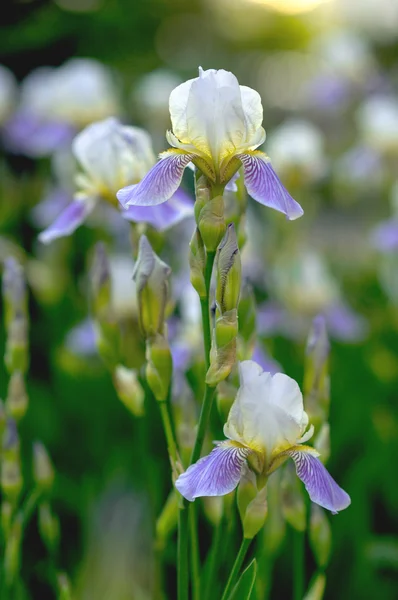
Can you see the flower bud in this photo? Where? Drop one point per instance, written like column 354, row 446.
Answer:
column 197, row 260
column 43, row 470
column 6, row 517
column 293, row 505
column 10, row 441
column 48, row 526
column 100, row 282
column 221, row 362
column 16, row 356
column 159, row 367
column 247, row 314
column 316, row 588
column 254, row 517
column 64, row 587
column 14, row 291
column 150, row 274
column 275, row 527
column 211, row 223
column 129, row 390
column 226, row 328
column 229, row 270
column 316, row 373
column 213, row 507
column 322, row 442
column 17, row 398
column 202, row 195
column 166, row 523
column 320, row 536
column 11, row 479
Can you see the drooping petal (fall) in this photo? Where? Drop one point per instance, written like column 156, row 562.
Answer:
column 214, row 475
column 69, row 220
column 164, row 216
column 264, row 185
column 320, row 485
column 159, row 184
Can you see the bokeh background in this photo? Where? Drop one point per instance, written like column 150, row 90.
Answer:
column 327, row 72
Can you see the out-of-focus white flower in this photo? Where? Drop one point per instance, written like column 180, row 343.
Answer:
column 377, row 120
column 345, row 53
column 298, row 145
column 123, row 288
column 151, row 94
column 79, row 92
column 8, row 93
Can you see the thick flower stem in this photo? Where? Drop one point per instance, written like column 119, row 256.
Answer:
column 182, row 554
column 236, row 568
column 298, row 564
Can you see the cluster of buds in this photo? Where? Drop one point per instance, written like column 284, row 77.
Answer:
column 151, row 278
column 228, row 270
column 109, row 339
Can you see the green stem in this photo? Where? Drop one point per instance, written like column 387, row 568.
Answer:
column 168, row 430
column 298, row 564
column 236, row 568
column 195, row 558
column 214, row 559
column 203, row 420
column 182, row 554
column 205, row 306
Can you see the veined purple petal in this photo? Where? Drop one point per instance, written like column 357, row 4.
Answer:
column 320, row 485
column 165, row 215
column 159, row 184
column 214, row 475
column 69, row 220
column 264, row 185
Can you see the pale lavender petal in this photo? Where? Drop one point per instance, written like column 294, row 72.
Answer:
column 46, row 211
column 81, row 340
column 214, row 475
column 320, row 485
column 266, row 362
column 68, row 221
column 27, row 134
column 344, row 324
column 165, row 215
column 159, row 184
column 264, row 185
column 385, row 236
column 270, row 318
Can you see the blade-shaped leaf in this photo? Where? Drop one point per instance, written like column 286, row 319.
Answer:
column 244, row 587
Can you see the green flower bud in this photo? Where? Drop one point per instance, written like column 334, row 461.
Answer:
column 100, row 280
column 64, row 587
column 255, row 514
column 12, row 554
column 316, row 588
column 16, row 356
column 247, row 314
column 10, row 441
column 213, row 507
column 150, row 274
column 229, row 272
column 14, row 291
column 11, row 479
column 275, row 527
column 226, row 328
column 322, row 442
column 197, row 260
column 211, row 223
column 43, row 470
column 247, row 491
column 17, row 398
column 293, row 505
column 222, row 361
column 320, row 536
column 48, row 526
column 6, row 517
column 202, row 195
column 159, row 367
column 166, row 523
column 129, row 390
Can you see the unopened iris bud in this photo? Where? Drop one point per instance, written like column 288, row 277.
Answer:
column 221, row 362
column 197, row 260
column 11, row 479
column 48, row 526
column 229, row 271
column 159, row 367
column 10, row 440
column 322, row 442
column 253, row 507
column 316, row 588
column 100, row 282
column 293, row 505
column 316, row 373
column 12, row 554
column 17, row 398
column 43, row 470
column 211, row 223
column 150, row 274
column 202, row 195
column 320, row 536
column 247, row 314
column 129, row 390
column 226, row 328
column 64, row 587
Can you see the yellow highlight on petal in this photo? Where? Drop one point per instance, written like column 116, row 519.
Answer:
column 291, row 6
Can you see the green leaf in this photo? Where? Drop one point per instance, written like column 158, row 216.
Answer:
column 244, row 587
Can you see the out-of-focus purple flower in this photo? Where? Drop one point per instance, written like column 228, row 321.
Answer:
column 57, row 102
column 266, row 362
column 81, row 339
column 344, row 324
column 328, row 92
column 360, row 164
column 385, row 236
column 55, row 201
column 165, row 215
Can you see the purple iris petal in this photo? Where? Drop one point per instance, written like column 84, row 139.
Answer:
column 68, row 221
column 81, row 340
column 385, row 236
column 266, row 362
column 28, row 134
column 164, row 216
column 344, row 324
column 214, row 475
column 159, row 184
column 320, row 485
column 271, row 318
column 264, row 185
column 50, row 207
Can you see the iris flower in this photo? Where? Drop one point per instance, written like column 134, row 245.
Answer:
column 217, row 126
column 266, row 425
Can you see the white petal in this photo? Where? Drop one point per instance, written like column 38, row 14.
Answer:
column 253, row 111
